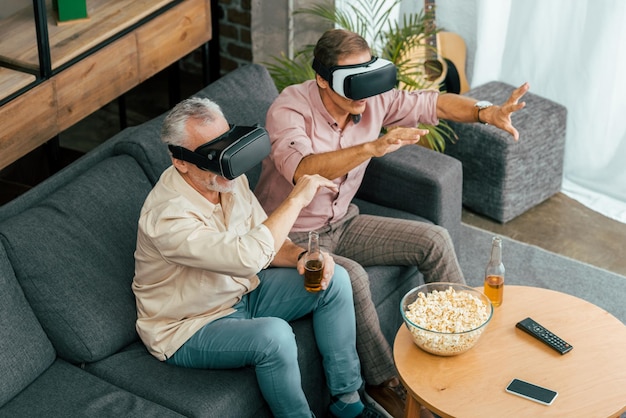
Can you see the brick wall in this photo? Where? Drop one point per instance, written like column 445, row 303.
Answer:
column 257, row 31
column 235, row 35
column 235, row 40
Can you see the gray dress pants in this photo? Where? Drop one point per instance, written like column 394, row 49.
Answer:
column 358, row 241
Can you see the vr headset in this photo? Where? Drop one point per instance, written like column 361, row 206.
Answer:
column 229, row 155
column 359, row 81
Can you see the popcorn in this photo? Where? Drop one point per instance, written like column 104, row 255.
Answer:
column 446, row 312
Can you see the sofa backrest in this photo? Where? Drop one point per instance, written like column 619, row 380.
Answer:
column 25, row 351
column 72, row 253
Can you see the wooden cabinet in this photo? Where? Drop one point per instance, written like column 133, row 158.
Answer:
column 12, row 81
column 91, row 62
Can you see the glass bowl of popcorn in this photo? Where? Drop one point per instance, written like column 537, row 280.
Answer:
column 446, row 319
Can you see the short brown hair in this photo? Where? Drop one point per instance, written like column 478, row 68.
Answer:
column 336, row 43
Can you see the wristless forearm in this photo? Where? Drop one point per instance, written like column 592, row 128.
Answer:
column 457, row 108
column 334, row 164
column 282, row 219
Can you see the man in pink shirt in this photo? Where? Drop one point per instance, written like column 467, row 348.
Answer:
column 331, row 126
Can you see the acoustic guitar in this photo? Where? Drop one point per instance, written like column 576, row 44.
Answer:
column 443, row 57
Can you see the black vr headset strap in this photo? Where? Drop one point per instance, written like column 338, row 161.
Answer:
column 324, row 72
column 182, row 153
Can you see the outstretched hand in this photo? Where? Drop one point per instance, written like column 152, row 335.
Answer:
column 395, row 138
column 501, row 116
column 307, row 186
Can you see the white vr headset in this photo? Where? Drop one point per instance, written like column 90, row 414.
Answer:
column 359, row 81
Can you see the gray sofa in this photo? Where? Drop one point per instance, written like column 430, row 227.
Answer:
column 68, row 345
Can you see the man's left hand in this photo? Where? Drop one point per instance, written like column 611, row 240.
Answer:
column 500, row 116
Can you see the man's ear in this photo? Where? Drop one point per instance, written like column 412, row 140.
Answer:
column 321, row 83
column 181, row 166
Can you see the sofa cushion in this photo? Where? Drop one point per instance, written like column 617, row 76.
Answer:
column 144, row 144
column 191, row 392
column 72, row 252
column 388, row 284
column 25, row 351
column 64, row 390
column 211, row 393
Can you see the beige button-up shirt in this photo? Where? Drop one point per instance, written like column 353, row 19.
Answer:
column 194, row 260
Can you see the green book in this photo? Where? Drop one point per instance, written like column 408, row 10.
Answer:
column 70, row 9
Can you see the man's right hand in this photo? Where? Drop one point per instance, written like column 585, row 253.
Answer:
column 396, row 138
column 282, row 219
column 307, row 186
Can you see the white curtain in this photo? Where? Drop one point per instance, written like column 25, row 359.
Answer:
column 572, row 52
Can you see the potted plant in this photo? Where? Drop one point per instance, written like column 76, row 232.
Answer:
column 387, row 38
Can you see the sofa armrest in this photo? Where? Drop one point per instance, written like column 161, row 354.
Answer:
column 419, row 181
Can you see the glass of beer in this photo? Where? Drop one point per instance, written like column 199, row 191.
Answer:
column 313, row 264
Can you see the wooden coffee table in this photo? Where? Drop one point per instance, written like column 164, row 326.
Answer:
column 590, row 379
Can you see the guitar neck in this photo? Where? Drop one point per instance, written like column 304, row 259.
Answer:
column 430, row 25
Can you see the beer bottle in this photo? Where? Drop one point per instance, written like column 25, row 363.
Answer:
column 494, row 273
column 313, row 264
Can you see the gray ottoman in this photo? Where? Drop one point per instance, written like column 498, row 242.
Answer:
column 503, row 178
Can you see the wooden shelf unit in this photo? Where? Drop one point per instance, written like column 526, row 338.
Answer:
column 12, row 81
column 91, row 63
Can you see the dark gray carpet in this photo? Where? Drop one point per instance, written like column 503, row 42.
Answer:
column 529, row 265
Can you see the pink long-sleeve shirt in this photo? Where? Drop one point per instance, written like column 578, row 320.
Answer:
column 299, row 125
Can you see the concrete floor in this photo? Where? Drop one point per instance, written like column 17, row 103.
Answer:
column 560, row 224
column 564, row 226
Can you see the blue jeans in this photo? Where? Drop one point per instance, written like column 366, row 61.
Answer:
column 258, row 335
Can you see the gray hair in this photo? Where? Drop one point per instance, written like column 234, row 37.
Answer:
column 198, row 108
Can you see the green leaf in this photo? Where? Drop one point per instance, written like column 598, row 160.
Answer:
column 286, row 72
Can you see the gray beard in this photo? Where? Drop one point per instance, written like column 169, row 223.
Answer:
column 213, row 185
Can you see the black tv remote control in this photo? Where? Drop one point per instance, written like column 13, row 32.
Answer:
column 536, row 330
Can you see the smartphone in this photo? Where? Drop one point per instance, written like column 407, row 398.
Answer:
column 533, row 392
